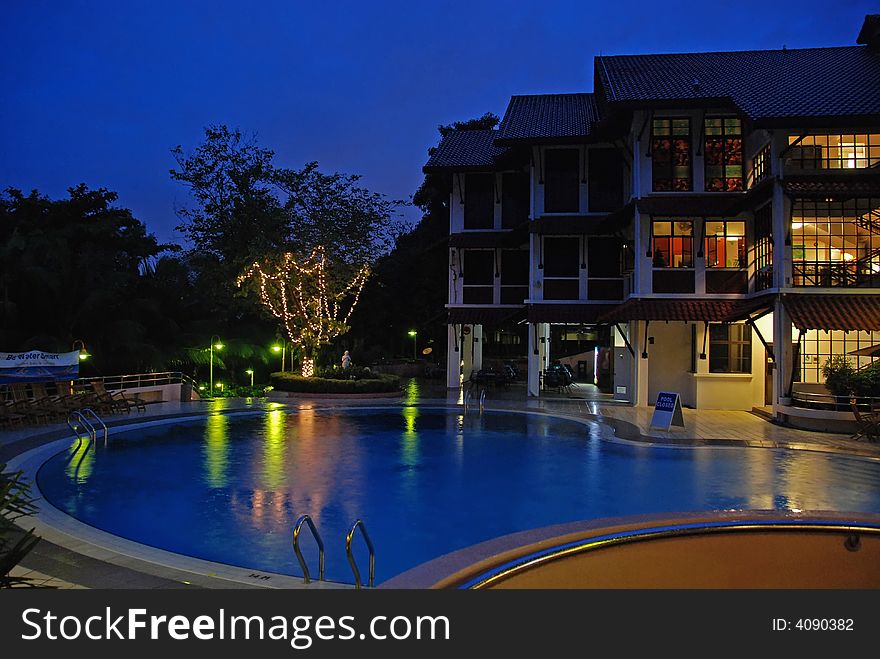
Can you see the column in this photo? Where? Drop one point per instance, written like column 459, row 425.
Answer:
column 477, row 347
column 534, row 361
column 453, row 357
column 782, row 337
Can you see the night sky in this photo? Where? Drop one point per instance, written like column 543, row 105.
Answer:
column 98, row 92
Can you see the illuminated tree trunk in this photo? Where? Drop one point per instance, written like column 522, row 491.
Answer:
column 313, row 305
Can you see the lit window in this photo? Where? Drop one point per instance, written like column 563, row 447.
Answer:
column 725, row 244
column 723, row 154
column 673, row 244
column 671, row 154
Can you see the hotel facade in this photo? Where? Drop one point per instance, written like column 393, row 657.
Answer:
column 702, row 223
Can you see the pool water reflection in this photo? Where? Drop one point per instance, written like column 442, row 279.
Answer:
column 425, row 481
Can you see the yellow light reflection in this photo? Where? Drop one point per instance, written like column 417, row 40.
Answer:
column 413, row 392
column 274, row 449
column 410, row 446
column 217, row 450
column 81, row 463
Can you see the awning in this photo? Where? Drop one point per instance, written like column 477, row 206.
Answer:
column 687, row 310
column 704, row 205
column 834, row 312
column 850, row 184
column 581, row 225
column 483, row 315
column 511, row 238
column 574, row 314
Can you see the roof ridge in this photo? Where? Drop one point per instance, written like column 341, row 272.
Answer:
column 731, row 52
column 512, row 96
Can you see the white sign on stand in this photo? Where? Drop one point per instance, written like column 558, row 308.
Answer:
column 667, row 411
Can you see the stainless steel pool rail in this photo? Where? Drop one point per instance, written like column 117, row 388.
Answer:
column 359, row 524
column 73, row 419
column 482, row 400
column 305, row 519
column 94, row 415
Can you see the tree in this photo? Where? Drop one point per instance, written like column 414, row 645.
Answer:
column 246, row 207
column 78, row 268
column 312, row 303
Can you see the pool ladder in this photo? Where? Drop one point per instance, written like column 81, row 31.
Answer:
column 77, row 418
column 469, row 395
column 359, row 524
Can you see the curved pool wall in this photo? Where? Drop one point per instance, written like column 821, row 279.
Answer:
column 426, row 481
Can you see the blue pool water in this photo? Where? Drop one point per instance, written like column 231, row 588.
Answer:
column 425, row 481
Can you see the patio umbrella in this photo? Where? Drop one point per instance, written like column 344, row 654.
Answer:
column 870, row 351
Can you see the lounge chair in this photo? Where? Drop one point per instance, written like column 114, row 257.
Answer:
column 9, row 416
column 38, row 410
column 869, row 424
column 118, row 398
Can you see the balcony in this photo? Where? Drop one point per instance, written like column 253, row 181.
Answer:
column 835, row 274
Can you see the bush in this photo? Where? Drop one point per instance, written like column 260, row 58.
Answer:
column 16, row 502
column 351, row 373
column 843, row 379
column 840, row 375
column 376, row 384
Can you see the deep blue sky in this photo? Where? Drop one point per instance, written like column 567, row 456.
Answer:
column 98, row 92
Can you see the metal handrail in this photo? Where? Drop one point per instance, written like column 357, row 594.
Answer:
column 467, row 399
column 302, row 561
column 482, row 400
column 76, row 416
column 359, row 524
column 98, row 419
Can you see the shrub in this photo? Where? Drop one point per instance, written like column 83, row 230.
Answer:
column 314, row 385
column 16, row 502
column 351, row 373
column 840, row 375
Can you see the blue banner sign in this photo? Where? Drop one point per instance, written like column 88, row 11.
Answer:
column 38, row 366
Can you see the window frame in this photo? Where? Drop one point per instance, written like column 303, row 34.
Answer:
column 671, row 238
column 728, row 183
column 672, row 137
column 745, row 355
column 713, row 240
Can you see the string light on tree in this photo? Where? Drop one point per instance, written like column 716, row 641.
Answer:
column 313, row 305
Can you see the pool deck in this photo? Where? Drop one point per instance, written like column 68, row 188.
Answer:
column 60, row 561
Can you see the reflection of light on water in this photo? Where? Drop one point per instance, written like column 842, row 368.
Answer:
column 410, row 435
column 274, row 448
column 81, row 462
column 413, row 392
column 216, row 450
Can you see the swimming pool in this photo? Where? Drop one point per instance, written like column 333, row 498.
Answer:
column 426, row 481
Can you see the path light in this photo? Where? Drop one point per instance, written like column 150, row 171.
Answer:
column 414, row 334
column 250, row 372
column 280, row 348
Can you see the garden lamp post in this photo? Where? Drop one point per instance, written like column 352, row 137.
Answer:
column 83, row 351
column 414, row 334
column 218, row 346
column 250, row 372
column 280, row 348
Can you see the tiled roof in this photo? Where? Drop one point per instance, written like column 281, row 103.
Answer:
column 694, row 205
column 483, row 315
column 834, row 312
column 763, row 84
column 829, row 185
column 466, row 149
column 682, row 309
column 548, row 116
column 567, row 313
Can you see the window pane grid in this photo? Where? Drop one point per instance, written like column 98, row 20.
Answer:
column 818, row 346
column 673, row 244
column 671, row 154
column 760, row 166
column 764, row 247
column 725, row 244
column 836, row 243
column 723, row 154
column 840, row 151
column 730, row 348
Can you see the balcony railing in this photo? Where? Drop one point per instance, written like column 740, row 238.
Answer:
column 834, row 274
